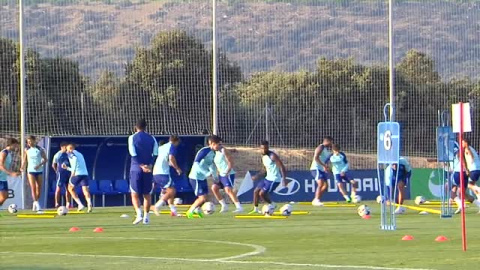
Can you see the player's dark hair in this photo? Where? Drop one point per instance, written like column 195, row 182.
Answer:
column 62, row 144
column 141, row 124
column 72, row 144
column 31, row 137
column 215, row 139
column 466, row 140
column 264, row 143
column 329, row 138
column 12, row 141
column 336, row 147
column 174, row 138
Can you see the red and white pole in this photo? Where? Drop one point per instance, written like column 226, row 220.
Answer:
column 462, row 180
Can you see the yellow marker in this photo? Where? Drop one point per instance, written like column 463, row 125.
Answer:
column 428, row 210
column 261, row 217
column 35, row 216
column 325, row 203
column 339, row 205
column 69, row 213
column 294, row 213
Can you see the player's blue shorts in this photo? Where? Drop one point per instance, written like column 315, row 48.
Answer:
column 226, row 181
column 200, row 187
column 474, row 176
column 402, row 177
column 35, row 173
column 456, row 179
column 3, row 186
column 319, row 175
column 267, row 185
column 62, row 178
column 81, row 180
column 341, row 179
column 141, row 182
column 162, row 180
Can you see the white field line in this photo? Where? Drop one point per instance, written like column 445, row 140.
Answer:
column 226, row 260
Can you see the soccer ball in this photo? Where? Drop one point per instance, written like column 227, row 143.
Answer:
column 419, row 200
column 12, row 208
column 208, row 208
column 62, row 211
column 357, row 199
column 286, row 210
column 267, row 210
column 363, row 210
column 380, row 199
column 177, row 201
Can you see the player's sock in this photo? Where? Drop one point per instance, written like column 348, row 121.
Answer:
column 67, row 205
column 347, row 198
column 458, row 202
column 34, row 206
column 89, row 202
column 38, row 206
column 353, row 194
column 139, row 212
column 146, row 218
column 224, row 207
column 160, row 203
column 173, row 209
column 477, row 203
column 238, row 205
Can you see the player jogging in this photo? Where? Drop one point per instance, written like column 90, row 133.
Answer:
column 142, row 147
column 161, row 174
column 62, row 175
column 34, row 158
column 340, row 168
column 6, row 167
column 275, row 172
column 456, row 183
column 472, row 163
column 79, row 176
column 320, row 169
column 202, row 168
column 224, row 163
column 404, row 175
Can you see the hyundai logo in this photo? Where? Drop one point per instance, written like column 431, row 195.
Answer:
column 292, row 187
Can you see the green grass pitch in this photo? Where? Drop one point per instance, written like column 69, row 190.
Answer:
column 328, row 238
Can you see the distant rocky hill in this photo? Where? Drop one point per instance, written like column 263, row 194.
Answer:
column 258, row 35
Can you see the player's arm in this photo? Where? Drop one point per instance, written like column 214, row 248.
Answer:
column 465, row 160
column 346, row 166
column 3, row 155
column 173, row 160
column 44, row 159
column 73, row 165
column 55, row 163
column 229, row 158
column 24, row 161
column 318, row 151
column 260, row 174
column 213, row 171
column 283, row 170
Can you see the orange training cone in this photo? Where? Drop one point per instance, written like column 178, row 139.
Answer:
column 366, row 217
column 441, row 238
column 98, row 230
column 407, row 238
column 74, row 229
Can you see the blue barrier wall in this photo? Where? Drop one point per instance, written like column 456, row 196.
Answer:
column 108, row 159
column 301, row 187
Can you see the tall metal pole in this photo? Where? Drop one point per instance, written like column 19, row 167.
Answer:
column 391, row 63
column 214, row 71
column 267, row 134
column 22, row 91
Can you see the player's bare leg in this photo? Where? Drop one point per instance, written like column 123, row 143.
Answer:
column 322, row 187
column 88, row 198
column 216, row 192
column 341, row 188
column 194, row 208
column 75, row 197
column 256, row 199
column 234, row 199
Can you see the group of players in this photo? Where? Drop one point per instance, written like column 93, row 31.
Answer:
column 213, row 161
column 69, row 165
